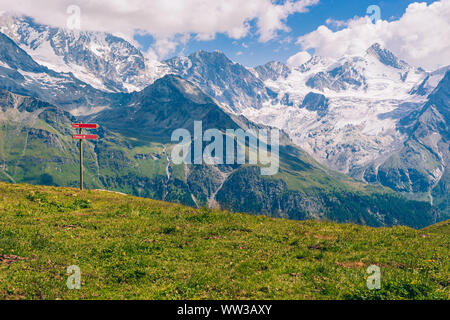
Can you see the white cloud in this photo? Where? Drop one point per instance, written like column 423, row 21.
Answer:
column 163, row 47
column 272, row 19
column 299, row 59
column 336, row 23
column 166, row 19
column 420, row 36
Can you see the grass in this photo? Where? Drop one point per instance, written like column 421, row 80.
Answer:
column 133, row 248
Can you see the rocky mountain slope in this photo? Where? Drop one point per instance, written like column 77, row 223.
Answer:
column 19, row 73
column 348, row 113
column 36, row 147
column 421, row 165
column 231, row 84
column 102, row 60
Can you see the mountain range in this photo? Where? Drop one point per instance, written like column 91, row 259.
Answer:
column 372, row 117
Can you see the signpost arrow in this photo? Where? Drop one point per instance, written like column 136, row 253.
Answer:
column 80, row 136
column 84, row 126
column 85, row 137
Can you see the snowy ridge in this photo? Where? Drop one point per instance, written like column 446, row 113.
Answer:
column 367, row 96
column 104, row 61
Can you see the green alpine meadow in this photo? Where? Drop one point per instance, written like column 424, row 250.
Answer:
column 134, row 248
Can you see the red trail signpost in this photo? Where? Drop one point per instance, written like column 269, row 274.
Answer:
column 80, row 136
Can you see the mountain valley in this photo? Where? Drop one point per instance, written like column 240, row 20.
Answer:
column 373, row 117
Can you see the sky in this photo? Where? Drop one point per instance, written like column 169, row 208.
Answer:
column 252, row 52
column 254, row 32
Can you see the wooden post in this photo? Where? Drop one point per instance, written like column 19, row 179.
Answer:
column 81, row 137
column 81, row 162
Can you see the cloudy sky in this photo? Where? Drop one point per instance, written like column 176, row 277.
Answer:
column 254, row 32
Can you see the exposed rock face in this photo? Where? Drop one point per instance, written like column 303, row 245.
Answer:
column 22, row 75
column 421, row 165
column 229, row 83
column 101, row 60
column 316, row 102
column 273, row 71
column 386, row 57
column 48, row 138
column 344, row 77
column 16, row 58
column 9, row 100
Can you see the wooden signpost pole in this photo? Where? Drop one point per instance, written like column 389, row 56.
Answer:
column 81, row 161
column 80, row 136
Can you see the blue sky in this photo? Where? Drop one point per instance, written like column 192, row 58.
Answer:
column 251, row 52
column 254, row 32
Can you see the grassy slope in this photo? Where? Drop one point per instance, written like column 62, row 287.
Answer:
column 132, row 248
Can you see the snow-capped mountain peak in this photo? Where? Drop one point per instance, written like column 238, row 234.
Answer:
column 230, row 83
column 387, row 57
column 106, row 62
column 316, row 64
column 346, row 112
column 273, row 71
